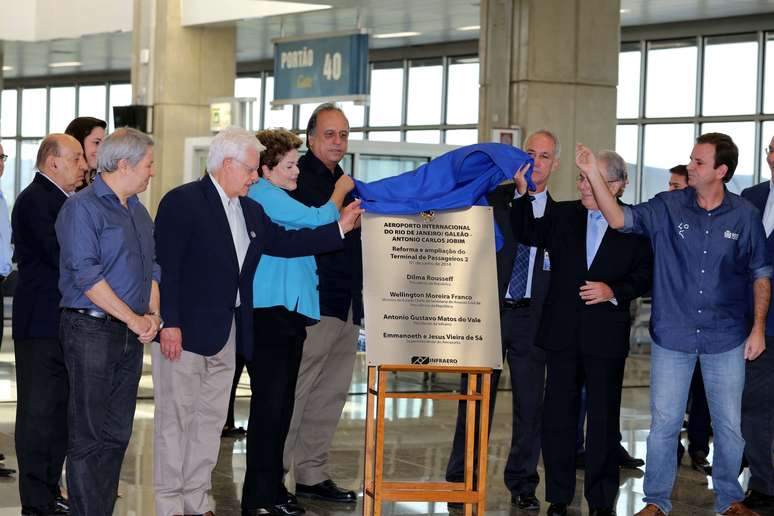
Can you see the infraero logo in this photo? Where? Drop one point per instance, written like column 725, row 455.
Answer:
column 417, row 360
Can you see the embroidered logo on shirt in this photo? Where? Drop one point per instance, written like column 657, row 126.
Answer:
column 730, row 235
column 683, row 226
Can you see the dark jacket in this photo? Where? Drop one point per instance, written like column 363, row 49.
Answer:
column 341, row 271
column 758, row 195
column 36, row 251
column 199, row 269
column 623, row 261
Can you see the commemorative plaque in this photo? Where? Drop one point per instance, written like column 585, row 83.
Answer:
column 430, row 289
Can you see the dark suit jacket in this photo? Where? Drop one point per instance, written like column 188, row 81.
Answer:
column 501, row 200
column 758, row 195
column 36, row 251
column 199, row 268
column 623, row 261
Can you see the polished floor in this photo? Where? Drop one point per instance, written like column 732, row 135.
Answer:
column 418, row 436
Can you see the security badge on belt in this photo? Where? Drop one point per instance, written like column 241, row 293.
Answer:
column 546, row 261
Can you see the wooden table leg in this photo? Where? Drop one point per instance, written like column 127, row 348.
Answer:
column 368, row 474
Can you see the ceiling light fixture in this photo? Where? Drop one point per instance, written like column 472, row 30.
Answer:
column 65, row 64
column 396, row 35
column 469, row 27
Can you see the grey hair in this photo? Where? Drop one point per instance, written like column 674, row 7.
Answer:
column 550, row 134
column 616, row 166
column 123, row 143
column 311, row 125
column 231, row 142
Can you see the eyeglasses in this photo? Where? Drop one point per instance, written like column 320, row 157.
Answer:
column 248, row 167
column 581, row 178
column 3, row 157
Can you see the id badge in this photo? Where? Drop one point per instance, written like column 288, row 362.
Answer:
column 546, row 261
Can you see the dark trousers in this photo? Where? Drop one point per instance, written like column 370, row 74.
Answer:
column 41, row 421
column 699, row 423
column 527, row 366
column 279, row 342
column 758, row 419
column 567, row 371
column 104, row 363
column 239, row 367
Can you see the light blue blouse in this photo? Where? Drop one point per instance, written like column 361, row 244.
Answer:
column 288, row 282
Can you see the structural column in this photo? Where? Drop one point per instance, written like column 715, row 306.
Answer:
column 551, row 64
column 177, row 70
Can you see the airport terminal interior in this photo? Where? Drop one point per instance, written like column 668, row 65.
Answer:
column 642, row 77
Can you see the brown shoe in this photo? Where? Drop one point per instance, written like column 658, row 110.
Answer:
column 651, row 510
column 738, row 509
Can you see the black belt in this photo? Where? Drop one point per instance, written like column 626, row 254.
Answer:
column 97, row 314
column 519, row 303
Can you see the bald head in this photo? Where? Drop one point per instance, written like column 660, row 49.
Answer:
column 60, row 157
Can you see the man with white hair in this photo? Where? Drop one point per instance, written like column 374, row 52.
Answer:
column 210, row 238
column 110, row 305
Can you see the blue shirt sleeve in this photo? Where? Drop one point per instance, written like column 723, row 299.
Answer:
column 79, row 254
column 644, row 218
column 283, row 209
column 759, row 265
column 5, row 238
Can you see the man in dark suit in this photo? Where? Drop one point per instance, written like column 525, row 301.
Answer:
column 595, row 274
column 758, row 395
column 41, row 376
column 522, row 288
column 209, row 239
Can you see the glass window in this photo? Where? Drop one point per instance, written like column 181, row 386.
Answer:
column 281, row 117
column 356, row 135
column 374, row 167
column 8, row 112
column 462, row 136
column 386, row 94
column 666, row 145
column 250, row 87
column 34, row 112
column 430, row 136
column 120, row 95
column 91, row 101
column 424, row 87
column 384, row 136
column 355, row 114
column 29, row 153
column 768, row 139
column 8, row 181
column 743, row 134
column 671, row 79
column 768, row 81
column 626, row 146
column 462, row 91
column 629, row 81
column 62, row 109
column 730, row 73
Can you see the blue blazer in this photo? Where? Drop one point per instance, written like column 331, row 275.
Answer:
column 758, row 195
column 36, row 252
column 200, row 273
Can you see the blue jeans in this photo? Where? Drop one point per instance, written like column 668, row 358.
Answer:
column 670, row 380
column 104, row 363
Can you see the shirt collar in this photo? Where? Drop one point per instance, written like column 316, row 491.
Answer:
column 319, row 167
column 225, row 199
column 54, row 183
column 101, row 189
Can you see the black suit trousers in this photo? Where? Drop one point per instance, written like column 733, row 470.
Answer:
column 527, row 366
column 603, row 376
column 279, row 342
column 41, row 420
column 758, row 419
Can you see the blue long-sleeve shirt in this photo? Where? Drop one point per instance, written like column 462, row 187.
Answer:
column 289, row 282
column 100, row 239
column 5, row 238
column 704, row 263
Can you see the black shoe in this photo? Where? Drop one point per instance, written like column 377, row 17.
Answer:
column 236, row 433
column 61, row 505
column 2, row 457
column 580, row 460
column 326, row 490
column 526, row 502
column 6, row 472
column 605, row 511
column 626, row 461
column 757, row 500
column 699, row 463
column 557, row 509
column 680, row 453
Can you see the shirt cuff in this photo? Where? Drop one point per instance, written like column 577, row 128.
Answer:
column 613, row 300
column 762, row 272
column 341, row 231
column 628, row 219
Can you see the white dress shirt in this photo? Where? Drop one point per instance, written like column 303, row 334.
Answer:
column 768, row 212
column 236, row 222
column 538, row 209
column 54, row 183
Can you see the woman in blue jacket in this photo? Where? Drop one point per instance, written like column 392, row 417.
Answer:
column 285, row 302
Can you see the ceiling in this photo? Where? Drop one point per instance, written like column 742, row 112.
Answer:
column 436, row 20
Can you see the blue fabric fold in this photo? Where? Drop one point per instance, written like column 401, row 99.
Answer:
column 458, row 179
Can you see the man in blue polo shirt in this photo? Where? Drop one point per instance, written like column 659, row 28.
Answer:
column 709, row 244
